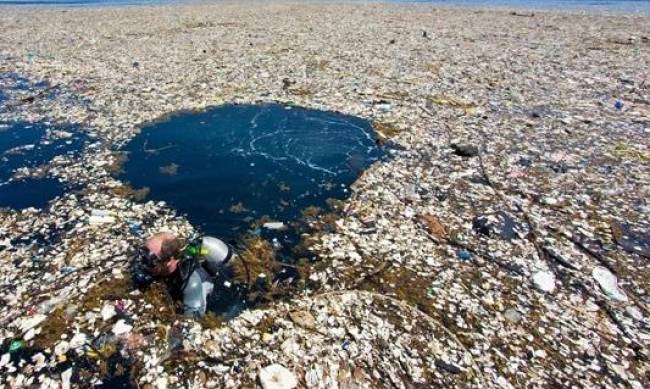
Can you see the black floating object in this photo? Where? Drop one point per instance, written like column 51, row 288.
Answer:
column 136, row 65
column 286, row 83
column 466, row 151
column 392, row 41
column 525, row 162
column 535, row 114
column 448, row 367
column 424, row 34
column 501, row 225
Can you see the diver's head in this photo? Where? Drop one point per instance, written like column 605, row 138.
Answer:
column 163, row 251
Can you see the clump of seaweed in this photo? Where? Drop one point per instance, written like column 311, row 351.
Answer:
column 238, row 208
column 158, row 295
column 118, row 159
column 169, row 170
column 125, row 191
column 107, row 289
column 385, row 130
column 256, row 260
column 311, row 212
column 211, row 320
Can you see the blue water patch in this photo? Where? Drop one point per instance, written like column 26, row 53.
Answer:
column 27, row 145
column 29, row 192
column 230, row 165
column 24, row 145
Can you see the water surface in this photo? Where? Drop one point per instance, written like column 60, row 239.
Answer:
column 232, row 165
column 28, row 145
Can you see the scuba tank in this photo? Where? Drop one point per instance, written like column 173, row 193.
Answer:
column 215, row 252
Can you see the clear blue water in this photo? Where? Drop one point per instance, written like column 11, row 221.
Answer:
column 622, row 6
column 230, row 165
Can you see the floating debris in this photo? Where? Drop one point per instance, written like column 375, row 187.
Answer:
column 537, row 100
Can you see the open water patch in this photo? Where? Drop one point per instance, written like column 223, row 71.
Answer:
column 231, row 165
column 242, row 171
column 25, row 145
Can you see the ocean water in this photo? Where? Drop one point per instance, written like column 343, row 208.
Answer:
column 231, row 165
column 27, row 145
column 24, row 145
column 617, row 6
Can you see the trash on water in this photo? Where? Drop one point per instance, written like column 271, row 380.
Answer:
column 544, row 281
column 464, row 255
column 101, row 212
column 274, row 225
column 108, row 311
column 608, row 283
column 121, row 328
column 65, row 378
column 277, row 377
column 16, row 345
column 465, row 150
column 97, row 220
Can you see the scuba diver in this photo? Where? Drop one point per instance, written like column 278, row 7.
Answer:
column 189, row 269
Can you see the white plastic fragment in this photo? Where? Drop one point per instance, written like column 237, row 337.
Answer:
column 544, row 281
column 608, row 283
column 6, row 357
column 78, row 340
column 96, row 220
column 277, row 377
column 65, row 379
column 108, row 311
column 274, row 225
column 121, row 328
column 32, row 322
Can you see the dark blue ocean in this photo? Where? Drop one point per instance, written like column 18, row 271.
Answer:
column 618, row 6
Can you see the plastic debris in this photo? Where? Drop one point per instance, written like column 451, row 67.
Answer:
column 554, row 156
column 274, row 225
column 65, row 378
column 464, row 255
column 96, row 220
column 15, row 345
column 121, row 328
column 463, row 150
column 277, row 377
column 108, row 311
column 608, row 283
column 544, row 281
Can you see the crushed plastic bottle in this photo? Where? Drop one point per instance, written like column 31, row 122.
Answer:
column 16, row 345
column 464, row 255
column 608, row 283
